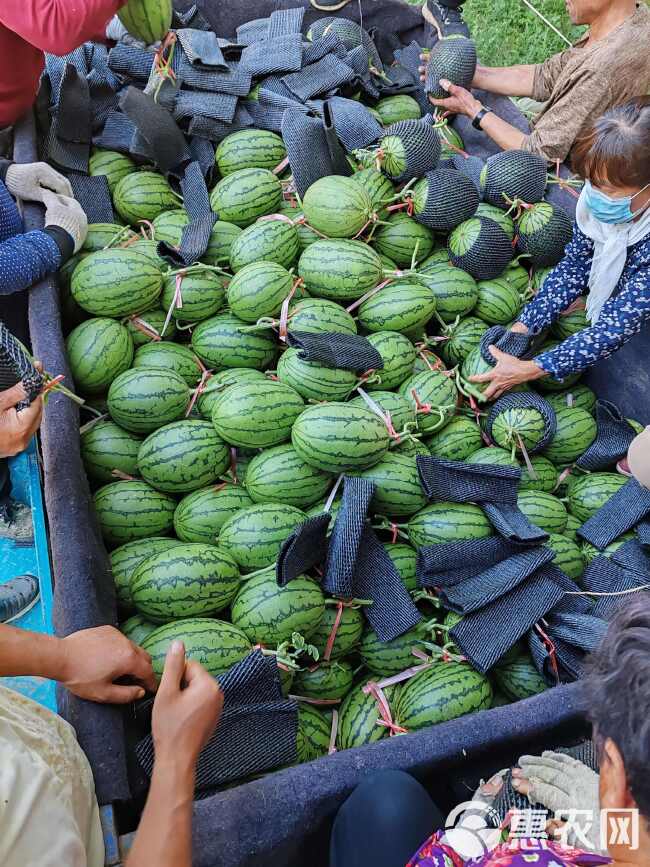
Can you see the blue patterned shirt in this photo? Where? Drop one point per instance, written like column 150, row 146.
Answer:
column 621, row 318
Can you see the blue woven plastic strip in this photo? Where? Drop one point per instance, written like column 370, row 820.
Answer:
column 628, row 506
column 448, row 563
column 344, row 351
column 305, row 548
column 614, row 437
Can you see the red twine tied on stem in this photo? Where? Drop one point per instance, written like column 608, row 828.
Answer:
column 368, row 295
column 395, row 533
column 424, row 408
column 125, row 477
column 52, row 383
column 284, row 312
column 552, row 653
column 198, row 391
column 233, row 464
column 177, row 299
column 331, row 638
column 162, row 62
column 145, row 328
column 373, row 689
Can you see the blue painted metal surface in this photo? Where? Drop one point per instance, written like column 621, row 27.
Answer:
column 15, row 560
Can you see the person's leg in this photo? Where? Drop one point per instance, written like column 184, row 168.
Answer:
column 384, row 822
column 15, row 518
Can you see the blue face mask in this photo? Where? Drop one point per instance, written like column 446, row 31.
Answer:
column 609, row 210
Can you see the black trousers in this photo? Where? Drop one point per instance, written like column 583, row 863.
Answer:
column 384, row 822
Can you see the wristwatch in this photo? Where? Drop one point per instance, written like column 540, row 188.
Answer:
column 478, row 117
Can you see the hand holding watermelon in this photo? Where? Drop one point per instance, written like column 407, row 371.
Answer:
column 508, row 372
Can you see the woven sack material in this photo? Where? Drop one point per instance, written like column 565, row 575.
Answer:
column 451, row 199
column 56, row 66
column 284, row 22
column 421, row 147
column 613, row 439
column 196, row 235
column 307, row 148
column 488, row 586
column 191, row 17
column 193, row 103
column 511, row 523
column 203, row 152
column 265, row 115
column 449, row 563
column 94, row 196
column 471, row 167
column 346, row 351
column 526, row 400
column 103, row 98
column 253, row 31
column 281, row 54
column 507, row 341
column 157, row 128
column 604, row 575
column 517, row 175
column 461, row 482
column 624, row 510
column 555, row 660
column 351, row 35
column 117, row 133
column 274, row 85
column 643, row 533
column 257, row 730
column 346, row 537
column 409, row 58
column 355, row 126
column 327, row 44
column 633, row 556
column 130, row 62
column 202, row 48
column 338, row 157
column 16, row 366
column 583, row 631
column 305, row 548
column 326, row 74
column 71, row 130
column 531, row 600
column 359, row 60
column 235, row 80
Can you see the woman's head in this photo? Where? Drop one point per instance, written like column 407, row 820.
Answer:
column 638, row 458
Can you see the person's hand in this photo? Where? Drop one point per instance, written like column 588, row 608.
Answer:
column 519, row 328
column 90, row 661
column 67, row 214
column 459, row 101
column 17, row 428
column 29, row 181
column 186, row 710
column 508, row 372
column 561, row 784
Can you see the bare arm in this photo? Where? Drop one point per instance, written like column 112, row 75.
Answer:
column 506, row 80
column 508, row 137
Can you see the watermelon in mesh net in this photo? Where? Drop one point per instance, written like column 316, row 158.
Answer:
column 443, row 199
column 470, row 166
column 513, row 175
column 543, row 232
column 453, row 58
column 480, row 247
column 409, row 149
column 349, row 32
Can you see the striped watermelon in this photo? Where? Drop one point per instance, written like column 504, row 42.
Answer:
column 146, row 327
column 279, row 475
column 348, row 633
column 222, row 380
column 132, row 510
column 455, row 292
column 450, row 142
column 329, row 681
column 143, row 399
column 111, row 164
column 402, row 414
column 402, row 306
column 441, row 693
column 518, row 425
column 222, row 237
column 543, row 232
column 519, row 679
column 427, row 360
column 576, row 431
column 314, row 381
column 462, row 339
column 318, row 315
column 457, row 440
column 125, row 560
column 579, row 395
column 570, row 323
column 174, row 357
column 313, row 738
column 337, row 207
column 568, row 557
column 590, row 493
column 517, row 276
column 200, row 515
column 498, row 302
column 270, row 239
column 245, row 195
column 188, row 580
column 102, row 235
column 544, row 510
column 392, row 109
column 339, row 437
column 572, row 526
column 404, row 240
column 269, row 614
column 493, row 455
column 404, row 559
column 398, row 354
column 473, row 365
column 147, row 20
column 98, row 351
column 448, row 522
column 249, row 149
column 547, row 476
column 256, row 414
column 258, row 290
column 169, row 225
column 254, row 536
column 549, row 383
column 202, row 295
column 149, row 248
column 359, row 716
column 306, row 235
column 214, row 644
column 341, row 270
column 498, row 216
column 115, row 282
column 378, row 187
column 136, row 628
column 222, row 341
column 183, row 456
column 143, row 196
column 434, row 397
column 397, row 485
column 106, row 447
column 386, row 658
column 588, row 551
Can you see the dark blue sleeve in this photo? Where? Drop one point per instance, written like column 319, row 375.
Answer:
column 566, row 282
column 10, row 221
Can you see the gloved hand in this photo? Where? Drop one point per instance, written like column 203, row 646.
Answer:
column 562, row 783
column 67, row 214
column 30, row 180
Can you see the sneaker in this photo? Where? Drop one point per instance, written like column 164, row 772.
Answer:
column 16, row 523
column 448, row 17
column 17, row 597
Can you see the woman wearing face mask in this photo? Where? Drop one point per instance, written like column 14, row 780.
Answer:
column 608, row 257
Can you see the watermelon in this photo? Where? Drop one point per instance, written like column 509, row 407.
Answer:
column 270, row 239
column 214, row 644
column 183, row 456
column 337, row 207
column 202, row 295
column 392, row 109
column 378, row 187
column 386, row 658
column 249, row 149
column 457, row 440
column 461, row 339
column 112, row 165
column 455, row 292
column 572, row 526
column 256, row 414
column 498, row 302
column 517, row 276
column 115, row 282
column 543, row 232
column 398, row 354
column 450, row 142
column 174, row 357
column 448, row 522
column 145, row 327
column 404, row 559
column 147, row 20
column 168, row 226
column 254, row 536
column 547, row 476
column 143, row 196
column 98, row 351
column 222, row 237
column 125, row 559
column 404, row 240
column 102, row 235
column 188, row 580
column 136, row 628
column 498, row 216
column 519, row 679
column 269, row 614
column 359, row 716
column 200, row 515
column 339, row 437
column 549, row 383
column 132, row 510
column 348, row 633
column 441, row 693
column 402, row 306
column 512, row 176
column 588, row 551
column 544, row 510
column 481, row 247
column 402, row 414
column 579, row 395
column 568, row 557
column 408, row 148
column 329, row 681
column 569, row 324
column 397, row 485
column 314, row 731
column 576, row 431
column 589, row 493
column 218, row 382
column 518, row 427
column 258, row 290
column 106, row 447
column 314, row 381
column 245, row 195
column 149, row 248
column 493, row 455
column 473, row 365
column 318, row 315
column 143, row 399
column 279, row 475
column 341, row 270
column 223, row 341
column 434, row 396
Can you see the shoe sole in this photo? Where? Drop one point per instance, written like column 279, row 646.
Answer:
column 24, row 610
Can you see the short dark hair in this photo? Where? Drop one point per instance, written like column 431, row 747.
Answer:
column 618, row 693
column 616, row 150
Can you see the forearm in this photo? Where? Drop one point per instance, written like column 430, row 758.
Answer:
column 26, row 259
column 506, row 80
column 164, row 836
column 24, row 653
column 508, row 137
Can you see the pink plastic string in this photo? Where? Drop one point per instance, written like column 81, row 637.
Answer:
column 373, row 689
column 284, row 312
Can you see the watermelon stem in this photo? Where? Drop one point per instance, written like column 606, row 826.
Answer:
column 334, row 732
column 118, row 237
column 248, row 575
column 93, row 421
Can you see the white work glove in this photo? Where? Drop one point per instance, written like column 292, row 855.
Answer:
column 561, row 784
column 67, row 214
column 29, row 180
column 117, row 32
